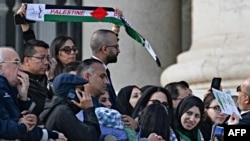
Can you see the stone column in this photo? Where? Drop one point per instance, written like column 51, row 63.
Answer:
column 220, row 45
column 158, row 22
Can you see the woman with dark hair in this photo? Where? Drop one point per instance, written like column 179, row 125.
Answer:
column 154, row 119
column 127, row 98
column 213, row 115
column 188, row 116
column 155, row 95
column 143, row 88
column 63, row 49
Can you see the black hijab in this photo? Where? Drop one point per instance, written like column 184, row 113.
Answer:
column 122, row 100
column 185, row 104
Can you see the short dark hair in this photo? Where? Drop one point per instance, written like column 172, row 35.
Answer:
column 85, row 65
column 183, row 84
column 29, row 47
column 172, row 89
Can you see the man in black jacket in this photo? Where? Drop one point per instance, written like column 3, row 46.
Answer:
column 59, row 113
column 36, row 62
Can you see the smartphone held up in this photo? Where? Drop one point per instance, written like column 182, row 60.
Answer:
column 216, row 83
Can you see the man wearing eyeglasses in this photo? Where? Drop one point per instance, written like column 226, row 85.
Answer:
column 36, row 62
column 13, row 99
column 105, row 48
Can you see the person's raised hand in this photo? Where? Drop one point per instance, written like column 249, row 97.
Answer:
column 129, row 121
column 233, row 119
column 116, row 28
column 85, row 100
column 22, row 10
column 118, row 12
column 23, row 85
column 52, row 67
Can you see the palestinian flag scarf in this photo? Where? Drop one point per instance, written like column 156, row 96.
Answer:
column 59, row 13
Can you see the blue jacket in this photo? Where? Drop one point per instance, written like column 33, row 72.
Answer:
column 10, row 114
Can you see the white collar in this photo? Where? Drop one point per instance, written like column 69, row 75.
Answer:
column 105, row 66
column 243, row 112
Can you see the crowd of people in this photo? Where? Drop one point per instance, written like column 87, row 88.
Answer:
column 75, row 100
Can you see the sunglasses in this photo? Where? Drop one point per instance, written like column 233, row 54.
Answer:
column 68, row 49
column 155, row 101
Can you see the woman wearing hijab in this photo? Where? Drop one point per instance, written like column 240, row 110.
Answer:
column 188, row 115
column 127, row 98
column 125, row 102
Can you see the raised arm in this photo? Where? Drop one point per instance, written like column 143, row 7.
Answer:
column 28, row 33
column 116, row 28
